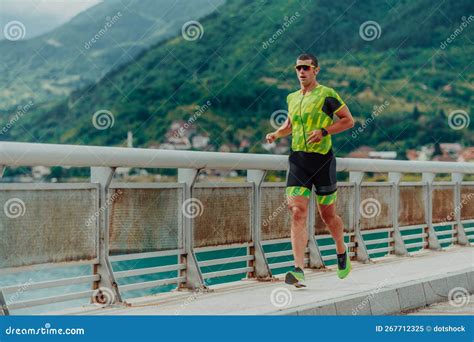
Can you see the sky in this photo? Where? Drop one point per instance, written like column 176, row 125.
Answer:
column 40, row 16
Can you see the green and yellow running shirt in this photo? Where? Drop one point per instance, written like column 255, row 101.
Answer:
column 314, row 110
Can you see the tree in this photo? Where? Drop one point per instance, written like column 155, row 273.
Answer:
column 437, row 150
column 416, row 114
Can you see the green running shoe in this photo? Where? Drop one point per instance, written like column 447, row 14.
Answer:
column 343, row 265
column 295, row 277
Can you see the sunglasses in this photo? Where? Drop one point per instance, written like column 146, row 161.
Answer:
column 304, row 67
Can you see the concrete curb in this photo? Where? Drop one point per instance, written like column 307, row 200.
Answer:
column 392, row 299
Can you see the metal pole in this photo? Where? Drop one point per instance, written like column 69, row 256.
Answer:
column 399, row 245
column 194, row 279
column 3, row 305
column 462, row 238
column 262, row 269
column 28, row 154
column 361, row 249
column 427, row 179
column 103, row 176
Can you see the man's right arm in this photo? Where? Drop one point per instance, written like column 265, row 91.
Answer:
column 283, row 131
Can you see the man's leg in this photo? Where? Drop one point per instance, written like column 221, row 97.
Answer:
column 327, row 211
column 298, row 206
column 334, row 223
column 298, row 192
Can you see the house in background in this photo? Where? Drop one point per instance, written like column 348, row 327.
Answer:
column 466, row 155
column 361, row 152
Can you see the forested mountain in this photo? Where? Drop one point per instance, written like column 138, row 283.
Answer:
column 394, row 55
column 84, row 49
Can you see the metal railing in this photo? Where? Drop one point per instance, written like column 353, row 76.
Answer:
column 245, row 225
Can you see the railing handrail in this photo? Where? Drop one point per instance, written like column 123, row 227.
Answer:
column 32, row 154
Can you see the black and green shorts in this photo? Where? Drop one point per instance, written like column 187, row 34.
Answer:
column 306, row 169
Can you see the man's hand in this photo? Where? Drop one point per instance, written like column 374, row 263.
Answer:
column 281, row 132
column 271, row 137
column 315, row 136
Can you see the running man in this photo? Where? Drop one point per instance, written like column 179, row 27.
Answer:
column 311, row 123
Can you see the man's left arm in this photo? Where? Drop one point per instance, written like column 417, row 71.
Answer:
column 345, row 122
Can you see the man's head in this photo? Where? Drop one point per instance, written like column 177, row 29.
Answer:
column 306, row 68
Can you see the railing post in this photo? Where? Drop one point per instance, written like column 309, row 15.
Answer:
column 103, row 176
column 194, row 279
column 315, row 258
column 3, row 305
column 461, row 236
column 262, row 269
column 399, row 245
column 427, row 179
column 361, row 249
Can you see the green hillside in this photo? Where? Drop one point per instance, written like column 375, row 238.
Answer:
column 83, row 50
column 243, row 62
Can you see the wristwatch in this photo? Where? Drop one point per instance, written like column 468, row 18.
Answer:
column 324, row 132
